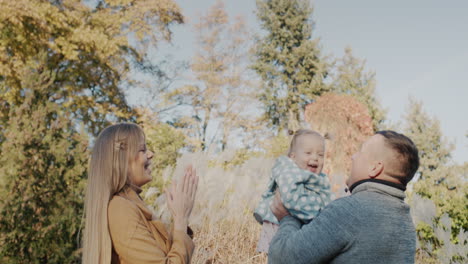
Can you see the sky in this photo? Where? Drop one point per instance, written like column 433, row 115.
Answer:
column 417, row 49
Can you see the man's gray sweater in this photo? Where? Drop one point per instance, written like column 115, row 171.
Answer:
column 373, row 225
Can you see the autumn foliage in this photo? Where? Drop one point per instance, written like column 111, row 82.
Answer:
column 348, row 123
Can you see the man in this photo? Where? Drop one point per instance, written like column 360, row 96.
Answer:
column 372, row 225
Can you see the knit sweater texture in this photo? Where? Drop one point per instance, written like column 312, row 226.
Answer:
column 373, row 225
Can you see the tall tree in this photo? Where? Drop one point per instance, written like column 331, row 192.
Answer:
column 164, row 140
column 88, row 48
column 42, row 168
column 348, row 122
column 434, row 149
column 63, row 65
column 439, row 179
column 288, row 61
column 219, row 93
column 351, row 78
column 236, row 113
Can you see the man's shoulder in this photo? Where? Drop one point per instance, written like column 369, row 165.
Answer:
column 346, row 207
column 340, row 207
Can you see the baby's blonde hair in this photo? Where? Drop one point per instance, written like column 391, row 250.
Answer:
column 113, row 150
column 302, row 132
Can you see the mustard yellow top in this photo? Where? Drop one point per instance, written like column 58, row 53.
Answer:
column 136, row 238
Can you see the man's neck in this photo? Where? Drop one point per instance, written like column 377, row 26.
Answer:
column 385, row 182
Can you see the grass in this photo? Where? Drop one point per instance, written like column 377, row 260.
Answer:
column 222, row 219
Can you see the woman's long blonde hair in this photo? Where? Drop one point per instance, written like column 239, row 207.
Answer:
column 115, row 146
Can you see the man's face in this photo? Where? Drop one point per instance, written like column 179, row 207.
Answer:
column 363, row 160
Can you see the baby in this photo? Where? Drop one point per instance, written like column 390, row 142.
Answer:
column 304, row 189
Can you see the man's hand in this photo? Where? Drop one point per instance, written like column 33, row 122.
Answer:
column 278, row 208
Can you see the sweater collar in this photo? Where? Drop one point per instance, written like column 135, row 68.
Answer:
column 132, row 193
column 394, row 189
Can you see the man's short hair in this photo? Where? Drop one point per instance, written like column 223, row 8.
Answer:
column 408, row 154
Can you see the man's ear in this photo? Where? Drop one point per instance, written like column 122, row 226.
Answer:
column 376, row 169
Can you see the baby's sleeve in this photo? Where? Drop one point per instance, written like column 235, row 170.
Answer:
column 300, row 201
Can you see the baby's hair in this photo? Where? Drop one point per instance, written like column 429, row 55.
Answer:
column 300, row 132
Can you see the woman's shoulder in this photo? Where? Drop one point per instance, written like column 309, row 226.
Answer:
column 121, row 208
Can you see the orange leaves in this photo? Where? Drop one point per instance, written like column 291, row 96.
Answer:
column 349, row 123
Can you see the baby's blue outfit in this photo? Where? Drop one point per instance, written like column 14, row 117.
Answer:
column 303, row 192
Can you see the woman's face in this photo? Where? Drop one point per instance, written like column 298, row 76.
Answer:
column 139, row 171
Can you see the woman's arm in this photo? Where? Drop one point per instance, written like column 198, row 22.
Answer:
column 131, row 238
column 134, row 243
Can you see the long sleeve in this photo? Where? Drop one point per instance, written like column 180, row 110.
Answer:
column 303, row 193
column 302, row 202
column 317, row 242
column 135, row 243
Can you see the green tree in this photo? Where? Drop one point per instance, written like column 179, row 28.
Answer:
column 434, row 149
column 164, row 141
column 438, row 179
column 88, row 48
column 63, row 66
column 352, row 79
column 288, row 61
column 43, row 167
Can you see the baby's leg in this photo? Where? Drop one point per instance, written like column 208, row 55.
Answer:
column 266, row 235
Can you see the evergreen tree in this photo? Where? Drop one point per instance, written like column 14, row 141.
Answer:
column 288, row 61
column 352, row 79
column 438, row 179
column 434, row 150
column 42, row 168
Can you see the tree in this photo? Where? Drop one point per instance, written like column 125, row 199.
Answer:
column 434, row 150
column 63, row 66
column 237, row 111
column 43, row 167
column 88, row 48
column 288, row 61
column 351, row 79
column 220, row 92
column 349, row 124
column 164, row 140
column 437, row 178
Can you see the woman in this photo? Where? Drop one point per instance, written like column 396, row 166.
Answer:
column 119, row 227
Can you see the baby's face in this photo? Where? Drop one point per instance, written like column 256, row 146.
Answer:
column 309, row 153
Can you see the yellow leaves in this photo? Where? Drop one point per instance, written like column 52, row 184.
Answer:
column 86, row 49
column 119, row 2
column 144, row 15
column 76, row 27
column 69, row 50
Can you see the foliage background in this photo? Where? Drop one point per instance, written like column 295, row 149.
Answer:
column 67, row 69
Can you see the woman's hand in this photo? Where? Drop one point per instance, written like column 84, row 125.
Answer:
column 180, row 198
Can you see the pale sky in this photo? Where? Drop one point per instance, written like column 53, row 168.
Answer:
column 417, row 48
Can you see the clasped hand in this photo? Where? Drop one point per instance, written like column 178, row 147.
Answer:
column 181, row 197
